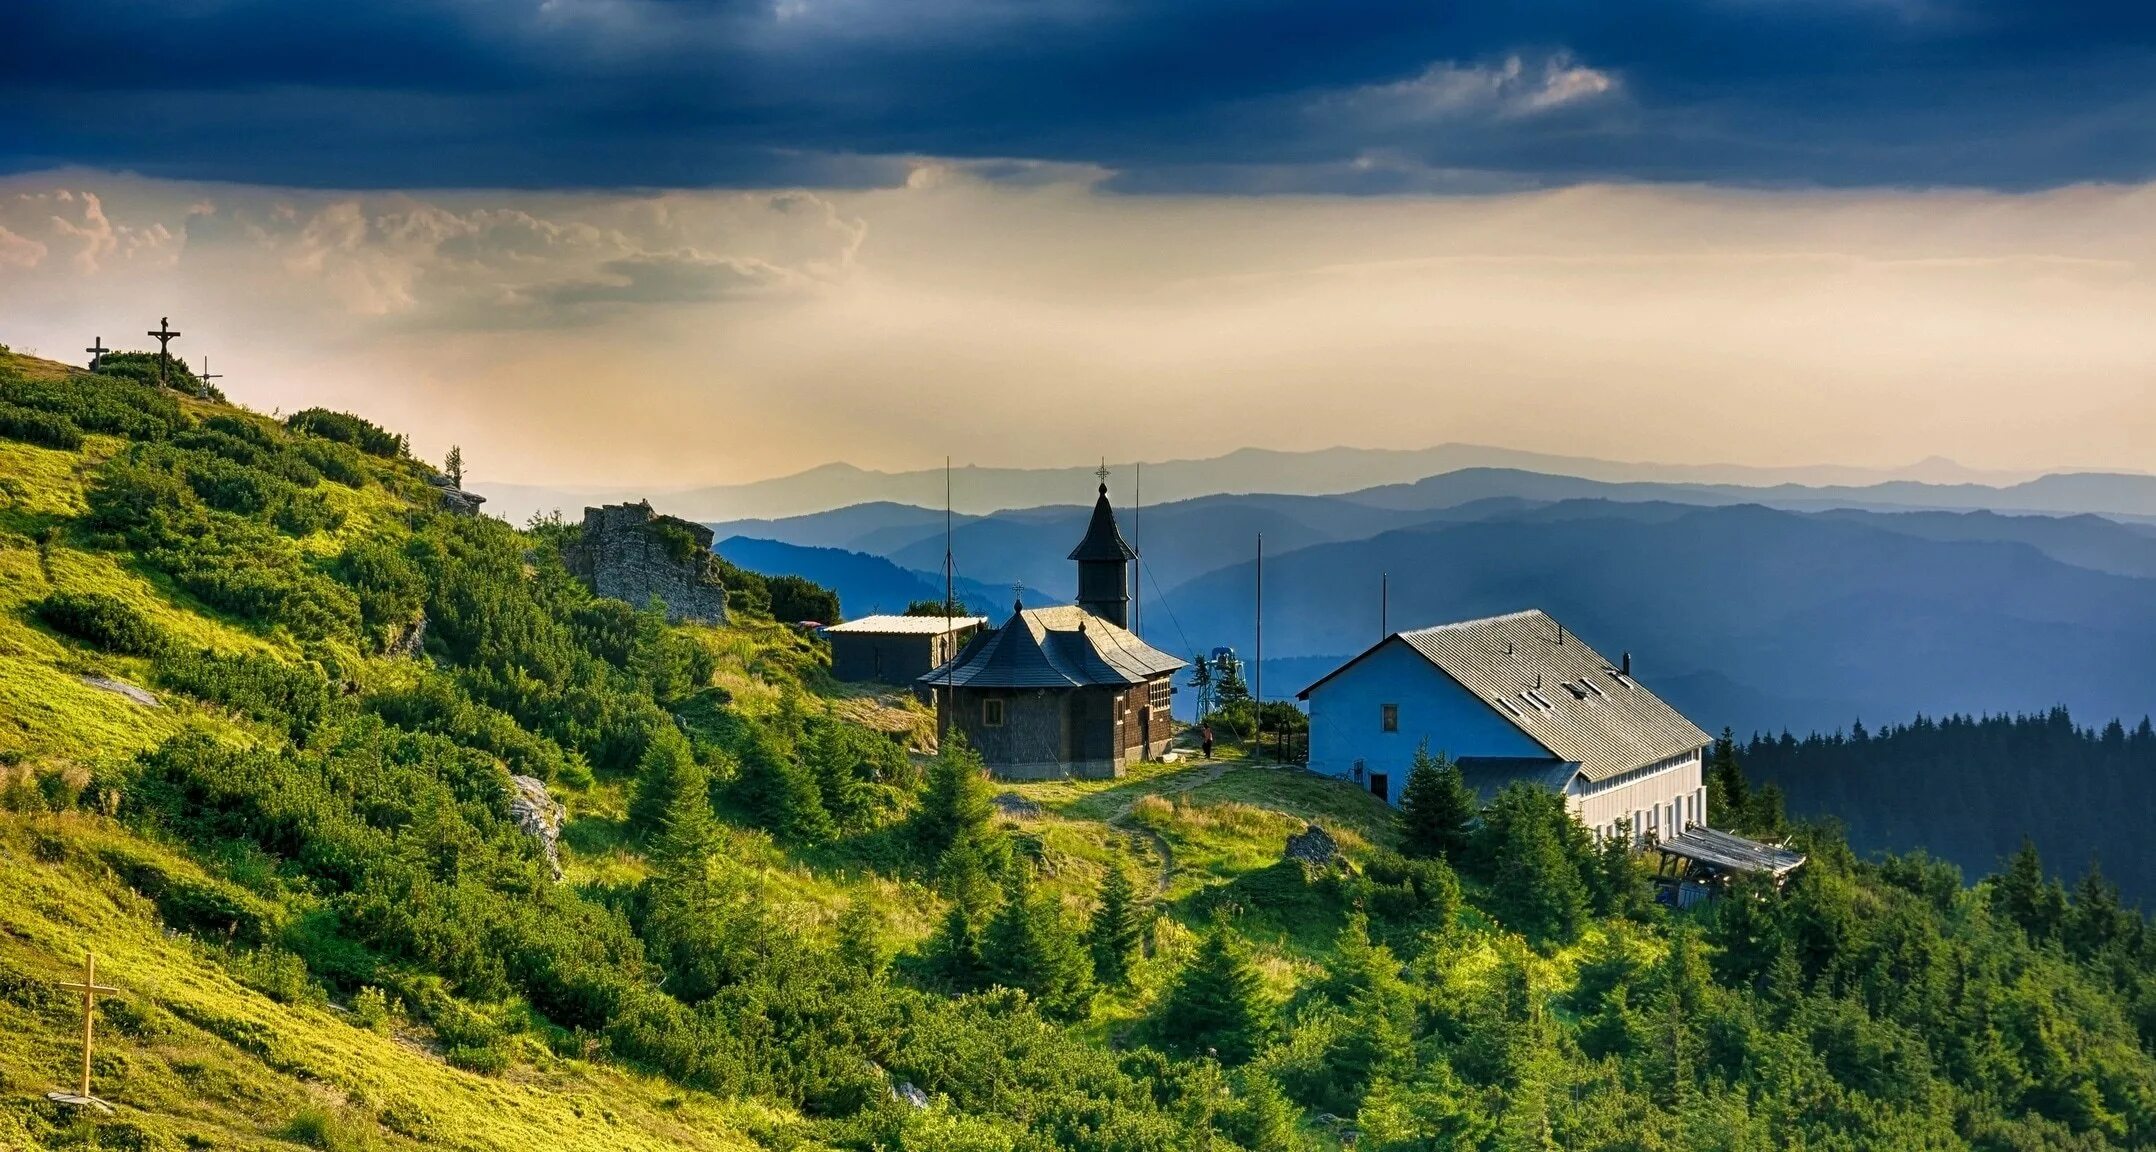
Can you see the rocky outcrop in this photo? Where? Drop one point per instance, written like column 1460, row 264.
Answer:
column 455, row 499
column 1313, row 845
column 629, row 552
column 539, row 816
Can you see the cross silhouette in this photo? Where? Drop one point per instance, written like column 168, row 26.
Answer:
column 89, row 987
column 1018, row 596
column 97, row 352
column 1103, row 473
column 206, row 375
column 164, row 336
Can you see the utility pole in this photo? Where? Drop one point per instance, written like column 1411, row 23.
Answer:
column 1257, row 739
column 1384, row 604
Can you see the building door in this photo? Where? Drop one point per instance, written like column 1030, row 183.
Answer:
column 1381, row 786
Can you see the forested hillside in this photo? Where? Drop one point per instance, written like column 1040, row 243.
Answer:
column 264, row 696
column 1970, row 789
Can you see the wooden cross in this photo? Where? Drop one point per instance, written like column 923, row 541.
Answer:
column 164, row 335
column 97, row 352
column 206, row 375
column 89, row 989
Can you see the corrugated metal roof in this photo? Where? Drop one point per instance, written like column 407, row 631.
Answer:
column 1731, row 853
column 1559, row 692
column 888, row 625
column 1063, row 647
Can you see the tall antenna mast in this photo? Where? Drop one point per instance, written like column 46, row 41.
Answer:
column 1384, row 604
column 1261, row 621
column 1137, row 551
column 950, row 571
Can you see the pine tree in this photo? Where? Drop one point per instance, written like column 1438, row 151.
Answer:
column 1030, row 945
column 1118, row 926
column 667, row 768
column 782, row 792
column 1729, row 798
column 1535, row 886
column 2024, row 895
column 453, row 465
column 1217, row 1003
column 688, row 835
column 832, row 758
column 1436, row 807
column 959, row 800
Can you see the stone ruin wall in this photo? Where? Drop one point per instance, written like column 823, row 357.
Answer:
column 621, row 555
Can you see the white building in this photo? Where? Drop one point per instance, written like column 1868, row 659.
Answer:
column 1512, row 698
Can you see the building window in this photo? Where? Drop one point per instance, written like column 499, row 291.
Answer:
column 1391, row 717
column 992, row 713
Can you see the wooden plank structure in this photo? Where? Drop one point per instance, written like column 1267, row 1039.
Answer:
column 1698, row 862
column 89, row 987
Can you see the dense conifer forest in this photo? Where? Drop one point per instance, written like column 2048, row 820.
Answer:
column 783, row 925
column 1970, row 789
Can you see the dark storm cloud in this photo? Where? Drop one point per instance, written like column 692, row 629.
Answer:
column 1261, row 95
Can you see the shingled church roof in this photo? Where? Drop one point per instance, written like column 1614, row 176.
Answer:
column 1054, row 648
column 1103, row 540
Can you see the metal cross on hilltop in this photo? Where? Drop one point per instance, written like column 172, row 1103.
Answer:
column 206, row 375
column 89, row 987
column 97, row 352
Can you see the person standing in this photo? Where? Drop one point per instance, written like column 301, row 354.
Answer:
column 1205, row 739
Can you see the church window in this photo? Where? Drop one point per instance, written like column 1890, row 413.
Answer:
column 1390, row 716
column 992, row 713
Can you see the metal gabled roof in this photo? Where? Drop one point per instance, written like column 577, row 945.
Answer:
column 1556, row 690
column 892, row 625
column 1054, row 648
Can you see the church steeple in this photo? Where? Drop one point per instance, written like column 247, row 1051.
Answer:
column 1104, row 564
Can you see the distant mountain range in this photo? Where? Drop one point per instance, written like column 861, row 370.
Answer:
column 1758, row 608
column 867, row 584
column 1330, row 471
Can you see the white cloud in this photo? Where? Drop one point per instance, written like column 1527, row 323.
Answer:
column 33, row 224
column 19, row 251
column 1448, row 90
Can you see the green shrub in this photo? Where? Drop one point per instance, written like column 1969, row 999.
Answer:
column 44, row 429
column 230, row 487
column 305, row 513
column 100, row 404
column 390, row 588
column 346, row 428
column 339, row 462
column 371, row 1009
column 101, row 621
column 262, row 688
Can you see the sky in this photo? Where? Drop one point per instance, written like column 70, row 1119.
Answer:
column 704, row 241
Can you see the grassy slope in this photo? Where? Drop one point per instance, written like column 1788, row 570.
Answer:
column 195, row 1058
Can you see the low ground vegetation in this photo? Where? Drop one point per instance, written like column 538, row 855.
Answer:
column 783, row 928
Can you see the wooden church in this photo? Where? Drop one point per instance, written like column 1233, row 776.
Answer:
column 1064, row 692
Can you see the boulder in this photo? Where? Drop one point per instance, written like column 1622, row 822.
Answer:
column 1313, row 845
column 539, row 816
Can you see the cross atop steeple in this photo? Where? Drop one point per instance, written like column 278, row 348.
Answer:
column 1103, row 473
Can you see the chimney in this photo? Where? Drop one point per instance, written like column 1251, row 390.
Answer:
column 1627, row 663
